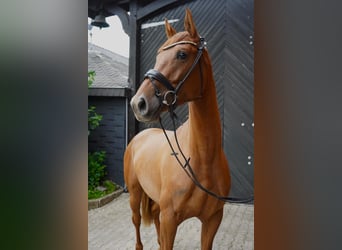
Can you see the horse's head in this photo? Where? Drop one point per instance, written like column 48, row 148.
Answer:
column 177, row 75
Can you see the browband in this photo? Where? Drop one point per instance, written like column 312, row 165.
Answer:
column 180, row 42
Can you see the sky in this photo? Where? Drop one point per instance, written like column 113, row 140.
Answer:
column 112, row 38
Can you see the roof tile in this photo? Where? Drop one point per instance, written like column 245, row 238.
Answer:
column 111, row 69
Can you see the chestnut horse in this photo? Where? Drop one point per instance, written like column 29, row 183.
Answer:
column 154, row 178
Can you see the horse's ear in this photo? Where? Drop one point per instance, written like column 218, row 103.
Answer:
column 170, row 31
column 189, row 24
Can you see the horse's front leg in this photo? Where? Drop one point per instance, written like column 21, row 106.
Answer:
column 168, row 229
column 135, row 199
column 209, row 229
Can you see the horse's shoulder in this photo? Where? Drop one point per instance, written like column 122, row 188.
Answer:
column 149, row 132
column 147, row 135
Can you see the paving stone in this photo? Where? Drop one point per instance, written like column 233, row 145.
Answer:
column 110, row 227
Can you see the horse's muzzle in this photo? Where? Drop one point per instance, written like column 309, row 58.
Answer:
column 145, row 110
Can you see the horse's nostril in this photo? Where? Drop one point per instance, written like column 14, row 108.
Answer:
column 142, row 105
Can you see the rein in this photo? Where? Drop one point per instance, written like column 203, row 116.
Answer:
column 187, row 167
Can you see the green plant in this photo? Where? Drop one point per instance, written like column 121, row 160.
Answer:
column 93, row 118
column 110, row 187
column 91, row 77
column 96, row 169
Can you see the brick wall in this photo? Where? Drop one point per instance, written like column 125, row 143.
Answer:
column 110, row 136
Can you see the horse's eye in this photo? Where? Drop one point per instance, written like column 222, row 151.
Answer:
column 181, row 55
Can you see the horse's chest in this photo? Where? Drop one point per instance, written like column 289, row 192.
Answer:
column 191, row 202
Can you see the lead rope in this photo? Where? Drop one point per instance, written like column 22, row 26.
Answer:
column 187, row 167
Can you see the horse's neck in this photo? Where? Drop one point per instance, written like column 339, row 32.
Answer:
column 204, row 122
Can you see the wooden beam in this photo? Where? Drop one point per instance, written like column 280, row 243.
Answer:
column 133, row 70
column 154, row 6
column 122, row 14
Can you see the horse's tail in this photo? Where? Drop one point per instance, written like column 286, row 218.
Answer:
column 146, row 209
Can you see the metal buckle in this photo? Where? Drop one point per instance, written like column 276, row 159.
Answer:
column 171, row 103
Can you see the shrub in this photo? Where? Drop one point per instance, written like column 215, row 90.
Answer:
column 96, row 169
column 91, row 77
column 110, row 187
column 93, row 118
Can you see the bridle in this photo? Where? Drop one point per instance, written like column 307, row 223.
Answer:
column 169, row 98
column 154, row 74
